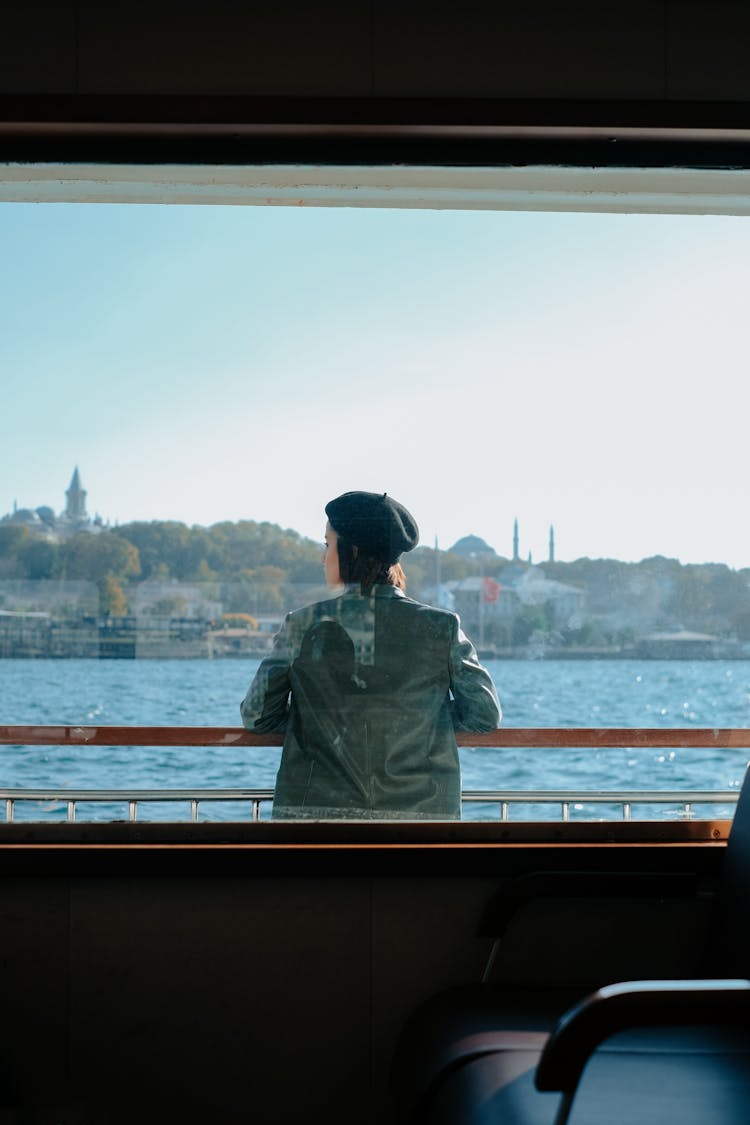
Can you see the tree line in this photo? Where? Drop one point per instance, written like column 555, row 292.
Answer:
column 661, row 592
column 256, row 560
column 159, row 549
column 254, row 567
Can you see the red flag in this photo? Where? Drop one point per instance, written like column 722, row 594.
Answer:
column 490, row 590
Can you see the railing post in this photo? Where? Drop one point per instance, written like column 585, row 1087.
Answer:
column 231, row 737
column 564, row 799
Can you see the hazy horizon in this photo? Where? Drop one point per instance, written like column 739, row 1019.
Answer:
column 205, row 364
column 502, row 555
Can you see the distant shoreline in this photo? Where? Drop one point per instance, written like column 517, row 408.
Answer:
column 519, row 655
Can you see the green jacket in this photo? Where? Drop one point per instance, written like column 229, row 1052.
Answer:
column 369, row 690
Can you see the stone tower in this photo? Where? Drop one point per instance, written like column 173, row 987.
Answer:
column 515, row 540
column 75, row 507
column 551, row 543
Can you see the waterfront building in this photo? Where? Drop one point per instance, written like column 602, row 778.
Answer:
column 564, row 602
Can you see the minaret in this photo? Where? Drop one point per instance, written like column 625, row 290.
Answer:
column 551, row 543
column 515, row 540
column 75, row 508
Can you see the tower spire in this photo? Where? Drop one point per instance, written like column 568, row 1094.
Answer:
column 551, row 543
column 515, row 540
column 75, row 507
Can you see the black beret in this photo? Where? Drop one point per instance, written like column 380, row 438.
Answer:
column 375, row 522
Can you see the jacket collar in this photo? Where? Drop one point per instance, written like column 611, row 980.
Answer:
column 384, row 591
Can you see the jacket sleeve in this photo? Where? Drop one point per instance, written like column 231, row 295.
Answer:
column 266, row 705
column 475, row 703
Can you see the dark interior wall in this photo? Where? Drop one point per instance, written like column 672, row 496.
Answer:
column 642, row 49
column 155, row 998
column 222, row 985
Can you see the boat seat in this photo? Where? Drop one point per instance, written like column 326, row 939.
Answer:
column 651, row 1051
column 470, row 1054
column 644, row 1064
column 606, row 926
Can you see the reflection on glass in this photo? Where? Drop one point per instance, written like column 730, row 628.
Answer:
column 369, row 686
column 556, row 395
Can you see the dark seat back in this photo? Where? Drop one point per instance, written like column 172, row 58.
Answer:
column 728, row 952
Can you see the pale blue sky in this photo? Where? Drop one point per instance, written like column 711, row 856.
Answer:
column 212, row 363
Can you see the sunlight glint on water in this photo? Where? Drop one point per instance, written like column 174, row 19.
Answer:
column 543, row 693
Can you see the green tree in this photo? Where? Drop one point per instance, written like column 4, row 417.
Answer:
column 204, row 573
column 112, row 600
column 162, row 547
column 741, row 624
column 708, row 597
column 92, row 557
column 12, row 540
column 40, row 558
column 531, row 619
column 587, row 633
column 12, row 537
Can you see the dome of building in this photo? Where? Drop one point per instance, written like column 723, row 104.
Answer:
column 24, row 516
column 472, row 545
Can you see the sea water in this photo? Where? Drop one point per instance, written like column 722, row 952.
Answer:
column 533, row 693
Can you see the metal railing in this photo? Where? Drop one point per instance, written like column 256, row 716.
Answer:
column 684, row 800
column 538, row 737
column 256, row 798
column 132, row 798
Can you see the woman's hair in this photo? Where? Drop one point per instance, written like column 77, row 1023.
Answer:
column 369, row 572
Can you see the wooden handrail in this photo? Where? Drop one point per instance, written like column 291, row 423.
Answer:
column 518, row 737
